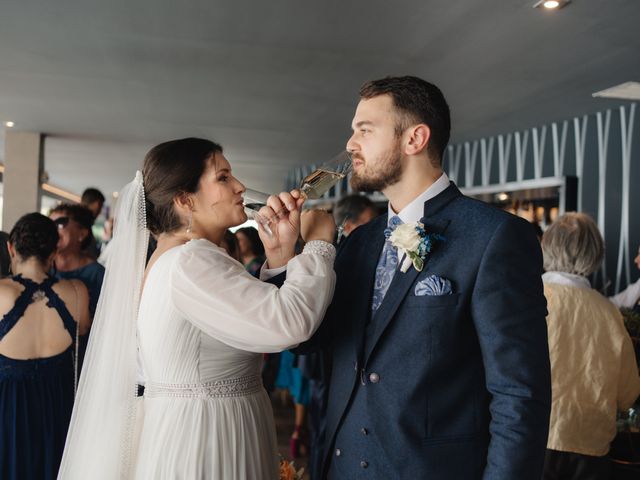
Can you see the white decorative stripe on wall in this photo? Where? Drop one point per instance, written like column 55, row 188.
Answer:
column 538, row 150
column 521, row 154
column 504, row 150
column 580, row 136
column 626, row 131
column 486, row 156
column 603, row 144
column 559, row 147
column 470, row 162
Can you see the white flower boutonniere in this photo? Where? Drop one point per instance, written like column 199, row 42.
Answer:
column 413, row 244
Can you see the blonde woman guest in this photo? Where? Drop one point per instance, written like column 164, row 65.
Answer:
column 593, row 367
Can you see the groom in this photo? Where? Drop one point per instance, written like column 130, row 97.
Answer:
column 440, row 357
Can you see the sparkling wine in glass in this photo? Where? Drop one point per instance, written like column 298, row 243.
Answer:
column 318, row 182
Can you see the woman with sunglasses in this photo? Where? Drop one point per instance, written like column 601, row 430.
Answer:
column 74, row 224
column 41, row 320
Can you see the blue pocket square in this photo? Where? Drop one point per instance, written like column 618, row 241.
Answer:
column 433, row 285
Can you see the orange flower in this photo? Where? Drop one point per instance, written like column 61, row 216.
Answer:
column 287, row 472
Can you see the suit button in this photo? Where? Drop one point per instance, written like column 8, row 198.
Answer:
column 374, row 378
column 364, row 464
column 338, row 452
column 364, row 431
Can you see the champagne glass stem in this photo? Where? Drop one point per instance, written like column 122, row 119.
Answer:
column 253, row 201
column 264, row 223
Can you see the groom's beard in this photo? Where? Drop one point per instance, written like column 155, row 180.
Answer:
column 388, row 173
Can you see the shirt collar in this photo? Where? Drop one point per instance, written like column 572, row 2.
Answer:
column 568, row 279
column 415, row 210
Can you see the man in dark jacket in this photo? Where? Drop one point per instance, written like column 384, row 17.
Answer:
column 437, row 329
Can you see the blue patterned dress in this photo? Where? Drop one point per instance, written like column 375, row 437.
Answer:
column 36, row 396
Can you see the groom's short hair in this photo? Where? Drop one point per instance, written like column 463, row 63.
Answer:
column 417, row 101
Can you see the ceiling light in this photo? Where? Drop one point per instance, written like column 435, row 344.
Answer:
column 627, row 91
column 9, row 124
column 551, row 4
column 502, row 197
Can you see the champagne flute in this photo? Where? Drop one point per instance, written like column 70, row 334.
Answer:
column 253, row 201
column 318, row 182
column 312, row 187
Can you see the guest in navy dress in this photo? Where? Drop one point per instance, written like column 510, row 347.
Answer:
column 41, row 320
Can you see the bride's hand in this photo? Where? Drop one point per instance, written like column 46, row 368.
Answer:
column 284, row 212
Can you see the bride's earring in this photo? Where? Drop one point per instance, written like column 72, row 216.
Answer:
column 190, row 222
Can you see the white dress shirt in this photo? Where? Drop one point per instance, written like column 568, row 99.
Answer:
column 628, row 297
column 415, row 210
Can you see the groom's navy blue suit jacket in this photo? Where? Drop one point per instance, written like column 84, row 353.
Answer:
column 440, row 387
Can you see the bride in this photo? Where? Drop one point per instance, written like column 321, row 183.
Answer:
column 193, row 325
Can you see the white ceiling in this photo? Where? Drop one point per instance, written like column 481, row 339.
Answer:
column 276, row 82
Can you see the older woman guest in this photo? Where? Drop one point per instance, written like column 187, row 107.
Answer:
column 593, row 368
column 71, row 261
column 74, row 224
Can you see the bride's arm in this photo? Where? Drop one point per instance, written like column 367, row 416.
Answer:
column 219, row 297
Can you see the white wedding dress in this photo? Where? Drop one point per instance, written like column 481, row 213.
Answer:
column 202, row 326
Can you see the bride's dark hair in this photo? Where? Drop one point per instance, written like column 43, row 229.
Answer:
column 170, row 169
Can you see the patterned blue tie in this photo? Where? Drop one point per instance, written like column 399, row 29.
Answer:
column 387, row 266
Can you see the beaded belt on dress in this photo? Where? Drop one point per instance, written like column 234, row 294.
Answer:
column 231, row 387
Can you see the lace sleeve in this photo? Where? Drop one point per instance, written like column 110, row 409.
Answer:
column 322, row 248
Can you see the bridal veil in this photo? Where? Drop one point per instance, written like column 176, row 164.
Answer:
column 100, row 438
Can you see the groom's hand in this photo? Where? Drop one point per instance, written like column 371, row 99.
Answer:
column 317, row 225
column 284, row 212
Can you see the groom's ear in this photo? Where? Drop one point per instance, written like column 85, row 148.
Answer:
column 417, row 139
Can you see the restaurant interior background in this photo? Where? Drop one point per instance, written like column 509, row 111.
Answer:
column 99, row 83
column 543, row 101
